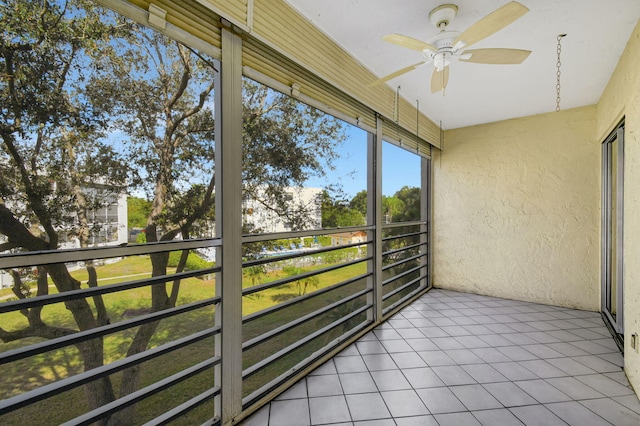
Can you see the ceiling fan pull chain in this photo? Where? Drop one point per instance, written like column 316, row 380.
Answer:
column 558, row 50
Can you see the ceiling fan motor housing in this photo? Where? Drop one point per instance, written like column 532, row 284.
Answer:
column 443, row 15
column 444, row 49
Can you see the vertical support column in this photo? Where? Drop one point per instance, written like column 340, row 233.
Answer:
column 218, row 231
column 620, row 231
column 229, row 222
column 425, row 216
column 374, row 217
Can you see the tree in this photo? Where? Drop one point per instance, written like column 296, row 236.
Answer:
column 285, row 142
column 392, row 208
column 84, row 95
column 51, row 149
column 301, row 284
column 254, row 273
column 359, row 202
column 337, row 213
column 410, row 197
column 138, row 210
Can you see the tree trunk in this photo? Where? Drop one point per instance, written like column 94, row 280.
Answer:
column 131, row 376
column 98, row 392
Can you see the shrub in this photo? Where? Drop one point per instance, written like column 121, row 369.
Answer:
column 194, row 262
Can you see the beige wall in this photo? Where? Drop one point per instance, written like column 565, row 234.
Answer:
column 516, row 209
column 622, row 98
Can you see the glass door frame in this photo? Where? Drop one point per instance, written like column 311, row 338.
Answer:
column 612, row 265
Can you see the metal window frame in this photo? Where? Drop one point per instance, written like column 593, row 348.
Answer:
column 228, row 344
column 617, row 322
column 228, row 376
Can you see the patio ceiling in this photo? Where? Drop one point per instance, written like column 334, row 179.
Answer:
column 597, row 33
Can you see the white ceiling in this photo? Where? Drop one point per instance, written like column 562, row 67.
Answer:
column 597, row 32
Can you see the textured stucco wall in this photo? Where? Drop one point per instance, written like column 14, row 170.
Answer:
column 516, row 209
column 622, row 97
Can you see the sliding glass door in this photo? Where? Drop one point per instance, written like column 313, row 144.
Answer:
column 612, row 227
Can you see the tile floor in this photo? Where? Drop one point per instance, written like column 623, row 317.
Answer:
column 460, row 359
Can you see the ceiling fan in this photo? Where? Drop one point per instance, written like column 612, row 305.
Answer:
column 447, row 45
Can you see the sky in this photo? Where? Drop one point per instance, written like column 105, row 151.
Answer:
column 399, row 166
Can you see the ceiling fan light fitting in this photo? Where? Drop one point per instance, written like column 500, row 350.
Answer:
column 443, row 15
column 441, row 60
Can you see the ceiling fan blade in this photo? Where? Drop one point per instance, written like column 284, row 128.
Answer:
column 496, row 56
column 408, row 42
column 492, row 23
column 396, row 74
column 439, row 79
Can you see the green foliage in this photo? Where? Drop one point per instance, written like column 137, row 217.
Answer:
column 254, row 273
column 303, row 284
column 88, row 98
column 138, row 210
column 285, row 143
column 403, row 206
column 359, row 202
column 410, row 197
column 141, row 238
column 194, row 262
column 337, row 213
column 52, row 143
column 324, row 240
column 392, row 207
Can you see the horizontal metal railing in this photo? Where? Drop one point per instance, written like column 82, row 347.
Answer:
column 400, row 262
column 330, row 346
column 258, row 366
column 83, row 336
column 254, row 238
column 407, row 235
column 409, row 295
column 46, row 391
column 278, row 258
column 403, row 287
column 287, row 280
column 401, row 275
column 159, row 386
column 30, row 259
column 300, row 299
column 306, row 317
column 15, row 305
column 187, row 406
column 301, row 320
column 47, row 257
column 403, row 224
column 401, row 249
column 337, row 335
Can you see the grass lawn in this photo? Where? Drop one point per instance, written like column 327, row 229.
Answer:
column 36, row 371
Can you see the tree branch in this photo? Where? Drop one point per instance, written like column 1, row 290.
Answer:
column 44, row 331
column 184, row 80
column 17, row 233
column 35, row 201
